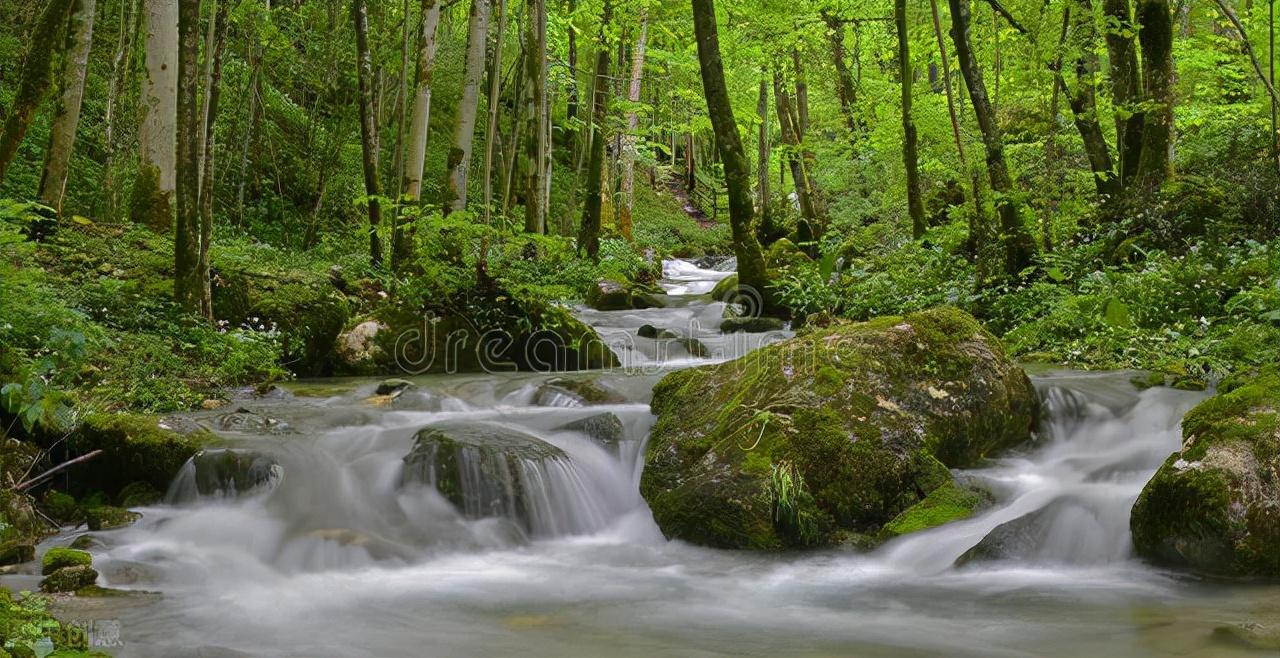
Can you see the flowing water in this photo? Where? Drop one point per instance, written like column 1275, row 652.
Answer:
column 330, row 544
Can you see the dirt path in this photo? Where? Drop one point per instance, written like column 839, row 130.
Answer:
column 675, row 184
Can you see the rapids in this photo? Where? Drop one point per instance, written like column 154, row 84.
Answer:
column 334, row 554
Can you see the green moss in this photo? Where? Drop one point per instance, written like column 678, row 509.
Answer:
column 69, row 579
column 57, row 558
column 107, row 517
column 61, row 507
column 945, row 504
column 135, row 448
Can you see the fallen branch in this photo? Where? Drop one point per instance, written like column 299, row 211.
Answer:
column 22, row 486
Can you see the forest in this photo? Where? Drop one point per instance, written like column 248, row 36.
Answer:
column 952, row 234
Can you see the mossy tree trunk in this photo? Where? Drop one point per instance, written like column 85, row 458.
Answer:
column 1083, row 100
column 533, row 156
column 33, row 82
column 215, row 48
column 1017, row 246
column 762, row 155
column 62, row 135
column 737, row 172
column 910, row 149
column 1126, row 87
column 189, row 288
column 846, row 90
column 465, row 126
column 788, row 121
column 633, row 126
column 492, row 131
column 589, row 232
column 152, row 199
column 1155, row 34
column 368, row 128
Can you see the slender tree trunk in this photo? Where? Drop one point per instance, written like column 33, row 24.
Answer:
column 946, row 81
column 1084, row 105
column 213, row 87
column 415, row 155
column 1271, row 70
column 254, row 91
column 1155, row 34
column 1018, row 247
column 1253, row 57
column 153, row 190
column 535, row 149
column 491, row 124
column 517, row 128
column 910, row 154
column 368, row 128
column 846, row 90
column 589, row 232
column 633, row 126
column 799, row 173
column 119, row 73
column 1126, row 87
column 751, row 265
column 33, row 82
column 762, row 153
column 465, row 126
column 66, row 119
column 188, row 287
column 571, row 109
column 802, row 95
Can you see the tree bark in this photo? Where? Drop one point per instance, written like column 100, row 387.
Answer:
column 533, row 165
column 213, row 86
column 633, row 125
column 491, row 124
column 119, row 73
column 1018, row 247
column 368, row 128
column 589, row 232
column 1155, row 34
column 910, row 153
column 787, row 120
column 751, row 265
column 255, row 83
column 464, row 128
column 188, row 287
column 33, row 82
column 1083, row 102
column 62, row 137
column 846, row 90
column 802, row 95
column 1126, row 87
column 762, row 153
column 946, row 81
column 153, row 190
column 416, row 148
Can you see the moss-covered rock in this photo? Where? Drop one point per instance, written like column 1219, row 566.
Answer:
column 614, row 296
column 69, row 579
column 309, row 314
column 855, row 423
column 725, row 288
column 751, row 325
column 575, row 392
column 227, row 473
column 480, row 467
column 604, row 428
column 57, row 558
column 135, row 448
column 1214, row 506
column 16, row 552
column 108, row 517
column 947, row 503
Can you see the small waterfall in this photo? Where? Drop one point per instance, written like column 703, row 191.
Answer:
column 224, row 473
column 1067, row 499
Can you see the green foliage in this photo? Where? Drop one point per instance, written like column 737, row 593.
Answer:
column 27, row 628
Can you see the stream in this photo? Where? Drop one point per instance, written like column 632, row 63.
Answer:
column 333, row 553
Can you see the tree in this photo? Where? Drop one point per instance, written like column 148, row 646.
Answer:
column 415, row 155
column 214, row 47
column 910, row 150
column 189, row 288
column 737, row 173
column 62, row 136
column 153, row 190
column 1126, row 87
column 536, row 135
column 34, row 79
column 1018, row 247
column 633, row 126
column 846, row 90
column 368, row 129
column 1083, row 100
column 589, row 232
column 465, row 126
column 1155, row 34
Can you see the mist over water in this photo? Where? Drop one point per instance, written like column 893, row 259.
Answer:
column 335, row 552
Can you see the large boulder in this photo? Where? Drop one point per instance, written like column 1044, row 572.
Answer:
column 480, row 467
column 308, row 312
column 227, row 473
column 609, row 295
column 827, row 437
column 135, row 448
column 1214, row 506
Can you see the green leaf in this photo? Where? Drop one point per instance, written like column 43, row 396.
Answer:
column 1056, row 274
column 1116, row 313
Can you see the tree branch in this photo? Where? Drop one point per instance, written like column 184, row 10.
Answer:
column 22, row 486
column 995, row 4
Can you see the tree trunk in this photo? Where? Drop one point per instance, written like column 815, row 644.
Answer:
column 1018, row 247
column 465, row 126
column 415, row 148
column 571, row 109
column 737, row 173
column 119, row 73
column 1126, row 87
column 33, row 82
column 1155, row 34
column 910, row 154
column 1083, row 103
column 946, row 81
column 368, row 128
column 799, row 173
column 846, row 90
column 66, row 119
column 152, row 200
column 213, row 86
column 762, row 153
column 633, row 125
column 589, row 232
column 491, row 123
column 802, row 95
column 255, row 82
column 535, row 149
column 188, row 287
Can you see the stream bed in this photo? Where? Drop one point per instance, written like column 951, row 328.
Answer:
column 333, row 552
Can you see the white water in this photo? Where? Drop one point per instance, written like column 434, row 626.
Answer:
column 337, row 558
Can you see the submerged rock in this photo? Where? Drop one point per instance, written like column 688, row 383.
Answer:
column 226, row 472
column 604, row 428
column 827, row 437
column 251, row 422
column 1214, row 506
column 484, row 469
column 574, row 392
